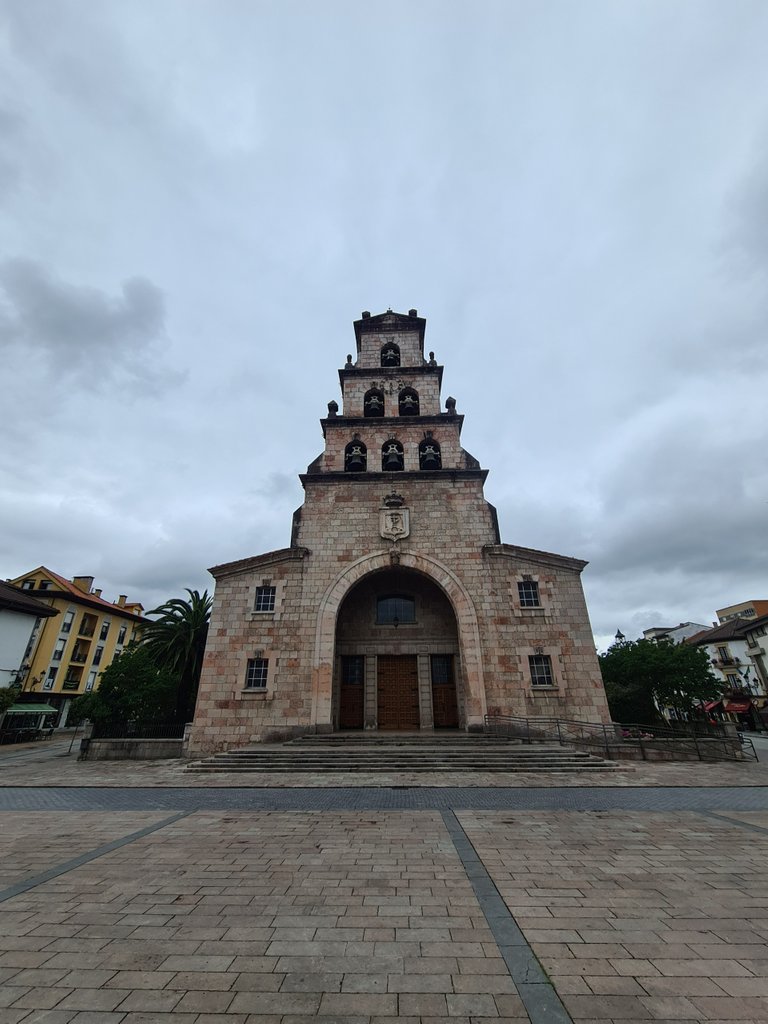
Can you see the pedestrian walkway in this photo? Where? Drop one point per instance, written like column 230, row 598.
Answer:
column 218, row 917
column 132, row 894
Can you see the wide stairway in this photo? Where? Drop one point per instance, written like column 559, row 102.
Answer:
column 351, row 752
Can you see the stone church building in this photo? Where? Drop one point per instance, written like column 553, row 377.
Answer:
column 396, row 606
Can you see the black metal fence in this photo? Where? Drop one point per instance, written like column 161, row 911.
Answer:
column 681, row 741
column 123, row 730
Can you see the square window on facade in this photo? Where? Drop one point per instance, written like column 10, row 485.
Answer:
column 265, row 599
column 66, row 625
column 541, row 670
column 28, row 585
column 104, row 630
column 97, row 655
column 256, row 674
column 121, row 634
column 91, row 681
column 50, row 678
column 528, row 592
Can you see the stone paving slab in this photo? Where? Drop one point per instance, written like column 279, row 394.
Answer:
column 233, row 917
column 63, row 837
column 255, row 917
column 637, row 916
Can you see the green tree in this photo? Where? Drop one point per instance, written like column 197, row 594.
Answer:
column 8, row 696
column 132, row 689
column 642, row 676
column 176, row 642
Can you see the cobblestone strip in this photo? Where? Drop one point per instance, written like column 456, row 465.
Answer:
column 536, row 991
column 68, row 865
column 383, row 798
column 735, row 821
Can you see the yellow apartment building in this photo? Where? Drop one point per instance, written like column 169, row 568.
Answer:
column 67, row 652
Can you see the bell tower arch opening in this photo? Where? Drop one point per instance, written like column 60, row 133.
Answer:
column 397, row 664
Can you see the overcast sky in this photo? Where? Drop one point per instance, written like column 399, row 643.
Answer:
column 198, row 197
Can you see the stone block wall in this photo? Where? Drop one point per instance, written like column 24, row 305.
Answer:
column 452, row 540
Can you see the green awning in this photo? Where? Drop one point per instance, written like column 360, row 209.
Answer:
column 31, row 709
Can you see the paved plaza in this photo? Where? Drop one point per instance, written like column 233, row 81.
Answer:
column 132, row 894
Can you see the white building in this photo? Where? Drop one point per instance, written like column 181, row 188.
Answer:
column 19, row 614
column 733, row 648
column 674, row 633
column 755, row 633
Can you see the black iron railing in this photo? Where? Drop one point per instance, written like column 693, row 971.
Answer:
column 122, row 730
column 683, row 741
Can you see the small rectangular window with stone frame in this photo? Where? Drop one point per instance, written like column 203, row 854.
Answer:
column 256, row 674
column 528, row 593
column 541, row 670
column 265, row 599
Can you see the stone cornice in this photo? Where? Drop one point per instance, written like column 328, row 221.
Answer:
column 532, row 555
column 440, row 420
column 390, row 323
column 297, row 554
column 379, row 477
column 389, row 371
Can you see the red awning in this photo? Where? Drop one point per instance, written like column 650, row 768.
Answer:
column 738, row 707
column 712, row 704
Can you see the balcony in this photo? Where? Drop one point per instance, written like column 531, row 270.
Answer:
column 79, row 657
column 86, row 629
column 71, row 684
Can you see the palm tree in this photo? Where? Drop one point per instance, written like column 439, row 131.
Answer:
column 176, row 641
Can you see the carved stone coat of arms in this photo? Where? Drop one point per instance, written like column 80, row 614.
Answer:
column 394, row 523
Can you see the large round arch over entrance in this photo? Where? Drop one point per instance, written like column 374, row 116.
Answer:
column 445, row 626
column 396, row 655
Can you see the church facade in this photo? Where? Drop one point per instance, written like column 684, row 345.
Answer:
column 396, row 606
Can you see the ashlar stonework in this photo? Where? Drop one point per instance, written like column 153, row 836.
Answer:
column 396, row 606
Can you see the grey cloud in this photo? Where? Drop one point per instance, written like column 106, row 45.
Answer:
column 11, row 129
column 577, row 202
column 278, row 485
column 82, row 331
column 748, row 235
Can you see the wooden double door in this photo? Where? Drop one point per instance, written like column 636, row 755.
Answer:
column 397, row 691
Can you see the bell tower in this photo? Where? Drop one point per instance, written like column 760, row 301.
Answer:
column 391, row 420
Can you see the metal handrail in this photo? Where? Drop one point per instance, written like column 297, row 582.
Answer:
column 712, row 744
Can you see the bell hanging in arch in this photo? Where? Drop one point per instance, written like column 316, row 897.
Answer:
column 430, row 458
column 356, row 461
column 393, row 459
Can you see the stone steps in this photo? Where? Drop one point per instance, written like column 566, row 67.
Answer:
column 424, row 754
